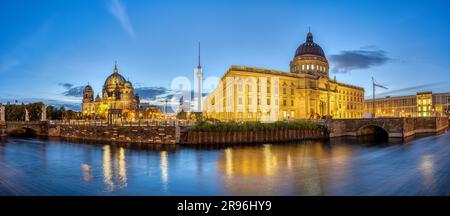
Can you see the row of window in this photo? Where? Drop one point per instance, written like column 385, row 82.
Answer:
column 352, row 93
column 351, row 107
column 352, row 99
column 307, row 67
column 349, row 115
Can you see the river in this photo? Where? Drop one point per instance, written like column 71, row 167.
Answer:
column 342, row 166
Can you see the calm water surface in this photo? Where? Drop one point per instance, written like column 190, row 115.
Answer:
column 337, row 167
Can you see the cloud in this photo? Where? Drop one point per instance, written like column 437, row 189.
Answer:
column 414, row 89
column 364, row 58
column 118, row 10
column 66, row 85
column 153, row 93
column 76, row 91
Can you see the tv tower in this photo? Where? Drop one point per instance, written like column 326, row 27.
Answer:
column 199, row 71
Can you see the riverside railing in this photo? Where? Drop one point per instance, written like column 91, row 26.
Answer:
column 139, row 123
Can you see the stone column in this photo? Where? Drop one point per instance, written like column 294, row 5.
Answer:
column 27, row 116
column 44, row 113
column 2, row 113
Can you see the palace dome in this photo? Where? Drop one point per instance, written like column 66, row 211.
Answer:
column 309, row 48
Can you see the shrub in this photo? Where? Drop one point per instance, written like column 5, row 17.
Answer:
column 207, row 126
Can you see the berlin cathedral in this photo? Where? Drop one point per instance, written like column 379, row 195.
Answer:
column 118, row 99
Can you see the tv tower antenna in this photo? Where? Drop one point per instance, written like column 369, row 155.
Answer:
column 199, row 71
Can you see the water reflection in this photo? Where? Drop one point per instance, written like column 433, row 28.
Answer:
column 337, row 167
column 298, row 168
column 164, row 170
column 114, row 168
column 427, row 170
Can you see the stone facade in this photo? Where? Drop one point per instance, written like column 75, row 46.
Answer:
column 394, row 127
column 118, row 93
column 422, row 104
column 306, row 91
column 131, row 134
column 2, row 129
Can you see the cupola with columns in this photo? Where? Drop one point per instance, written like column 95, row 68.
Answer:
column 310, row 59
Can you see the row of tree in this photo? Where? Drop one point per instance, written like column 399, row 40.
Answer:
column 16, row 112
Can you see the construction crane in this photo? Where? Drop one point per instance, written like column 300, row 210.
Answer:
column 374, row 85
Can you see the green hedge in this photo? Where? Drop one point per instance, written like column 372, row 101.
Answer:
column 250, row 126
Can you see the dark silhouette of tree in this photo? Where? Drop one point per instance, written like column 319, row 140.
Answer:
column 15, row 112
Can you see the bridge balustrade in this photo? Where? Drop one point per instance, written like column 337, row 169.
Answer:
column 123, row 123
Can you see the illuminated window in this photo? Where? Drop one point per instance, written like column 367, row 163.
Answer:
column 303, row 68
column 307, row 67
column 312, row 67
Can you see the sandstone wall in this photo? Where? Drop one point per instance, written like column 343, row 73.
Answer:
column 237, row 137
column 132, row 134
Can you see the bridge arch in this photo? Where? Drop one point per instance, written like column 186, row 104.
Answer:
column 374, row 130
column 23, row 131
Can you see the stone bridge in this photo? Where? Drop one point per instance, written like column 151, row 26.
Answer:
column 390, row 127
column 159, row 134
column 24, row 127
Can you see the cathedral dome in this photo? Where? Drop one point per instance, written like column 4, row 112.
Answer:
column 128, row 84
column 309, row 48
column 115, row 79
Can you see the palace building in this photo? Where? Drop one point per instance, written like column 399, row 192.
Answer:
column 307, row 91
column 422, row 104
column 118, row 99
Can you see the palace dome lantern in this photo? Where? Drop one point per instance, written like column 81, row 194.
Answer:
column 310, row 59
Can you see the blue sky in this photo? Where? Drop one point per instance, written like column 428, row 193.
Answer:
column 49, row 47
